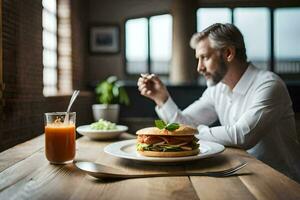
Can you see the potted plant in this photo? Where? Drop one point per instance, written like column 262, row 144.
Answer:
column 110, row 94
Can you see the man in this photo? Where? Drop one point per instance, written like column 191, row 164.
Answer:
column 252, row 105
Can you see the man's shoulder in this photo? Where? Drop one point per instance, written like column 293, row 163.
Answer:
column 265, row 76
column 267, row 80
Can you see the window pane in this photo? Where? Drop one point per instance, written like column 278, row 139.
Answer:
column 209, row 16
column 287, row 40
column 160, row 43
column 254, row 23
column 137, row 67
column 49, row 90
column 50, row 5
column 49, row 21
column 136, row 45
column 49, row 40
column 49, row 47
column 50, row 76
column 49, row 58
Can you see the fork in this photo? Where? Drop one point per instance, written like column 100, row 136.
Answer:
column 101, row 171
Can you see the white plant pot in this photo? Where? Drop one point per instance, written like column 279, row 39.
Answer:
column 108, row 112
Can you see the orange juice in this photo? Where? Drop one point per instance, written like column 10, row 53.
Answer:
column 60, row 142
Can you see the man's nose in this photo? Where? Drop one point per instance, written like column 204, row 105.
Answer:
column 200, row 67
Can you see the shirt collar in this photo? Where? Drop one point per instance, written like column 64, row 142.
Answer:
column 224, row 88
column 245, row 81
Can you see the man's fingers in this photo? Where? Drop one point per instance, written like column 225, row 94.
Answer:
column 151, row 77
column 142, row 87
column 140, row 82
column 143, row 83
column 155, row 79
column 144, row 75
column 144, row 91
column 148, row 92
column 147, row 76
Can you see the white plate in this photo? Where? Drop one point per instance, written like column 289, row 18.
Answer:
column 127, row 149
column 101, row 134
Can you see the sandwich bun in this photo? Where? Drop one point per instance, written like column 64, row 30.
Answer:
column 169, row 154
column 183, row 130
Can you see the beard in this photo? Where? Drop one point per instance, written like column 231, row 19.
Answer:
column 218, row 75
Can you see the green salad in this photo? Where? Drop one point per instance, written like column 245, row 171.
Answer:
column 103, row 125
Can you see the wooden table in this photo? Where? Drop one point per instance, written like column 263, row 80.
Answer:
column 26, row 174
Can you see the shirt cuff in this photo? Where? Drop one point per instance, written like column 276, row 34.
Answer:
column 203, row 132
column 215, row 134
column 168, row 110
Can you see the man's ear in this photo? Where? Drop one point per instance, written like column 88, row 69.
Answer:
column 229, row 53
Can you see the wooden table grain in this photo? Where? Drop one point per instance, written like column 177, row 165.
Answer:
column 26, row 174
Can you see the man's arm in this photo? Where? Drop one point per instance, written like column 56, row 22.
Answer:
column 269, row 103
column 201, row 111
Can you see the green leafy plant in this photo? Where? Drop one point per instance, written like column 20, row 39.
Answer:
column 111, row 91
column 162, row 125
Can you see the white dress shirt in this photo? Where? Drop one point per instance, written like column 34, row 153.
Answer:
column 257, row 115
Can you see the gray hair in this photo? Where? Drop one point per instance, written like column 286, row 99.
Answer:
column 222, row 35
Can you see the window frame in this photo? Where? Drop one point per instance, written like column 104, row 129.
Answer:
column 62, row 72
column 271, row 58
column 272, row 7
column 133, row 75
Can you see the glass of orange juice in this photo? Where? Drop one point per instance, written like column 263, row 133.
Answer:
column 60, row 137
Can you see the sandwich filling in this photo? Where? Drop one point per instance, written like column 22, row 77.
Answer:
column 167, row 143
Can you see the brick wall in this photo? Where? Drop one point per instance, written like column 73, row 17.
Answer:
column 23, row 75
column 22, row 71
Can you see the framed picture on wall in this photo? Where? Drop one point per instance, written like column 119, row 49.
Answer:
column 104, row 39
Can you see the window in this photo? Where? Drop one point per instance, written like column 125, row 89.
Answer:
column 148, row 44
column 209, row 16
column 254, row 23
column 136, row 45
column 49, row 47
column 287, row 40
column 57, row 72
column 269, row 46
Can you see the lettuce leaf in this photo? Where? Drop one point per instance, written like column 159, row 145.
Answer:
column 162, row 125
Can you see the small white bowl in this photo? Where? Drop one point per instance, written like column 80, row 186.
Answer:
column 87, row 131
